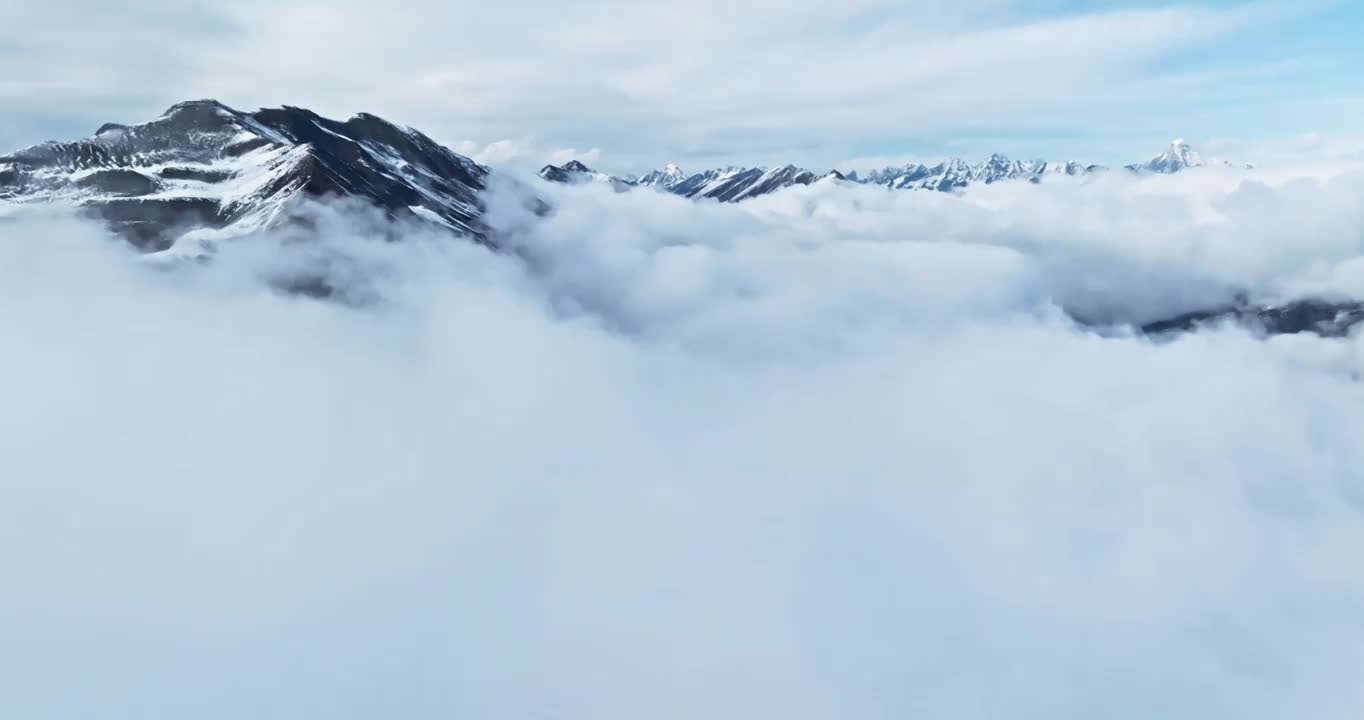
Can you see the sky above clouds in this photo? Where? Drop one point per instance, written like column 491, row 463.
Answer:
column 710, row 81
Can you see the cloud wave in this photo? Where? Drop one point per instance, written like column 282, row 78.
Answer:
column 836, row 452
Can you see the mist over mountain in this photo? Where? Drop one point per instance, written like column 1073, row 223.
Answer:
column 204, row 172
column 705, row 360
column 317, row 418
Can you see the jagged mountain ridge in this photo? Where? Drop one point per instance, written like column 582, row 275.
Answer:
column 1320, row 317
column 733, row 184
column 204, row 168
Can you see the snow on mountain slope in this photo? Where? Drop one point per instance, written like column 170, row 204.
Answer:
column 728, row 186
column 725, row 185
column 733, row 184
column 1180, row 157
column 574, row 172
column 711, row 181
column 771, row 181
column 956, row 173
column 205, row 168
column 666, row 178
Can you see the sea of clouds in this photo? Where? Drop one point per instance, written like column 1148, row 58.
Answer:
column 836, row 452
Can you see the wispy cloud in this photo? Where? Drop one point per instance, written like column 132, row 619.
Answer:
column 643, row 81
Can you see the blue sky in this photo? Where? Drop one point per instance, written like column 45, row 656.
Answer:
column 1293, row 70
column 628, row 85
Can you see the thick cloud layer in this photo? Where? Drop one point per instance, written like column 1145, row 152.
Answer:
column 831, row 453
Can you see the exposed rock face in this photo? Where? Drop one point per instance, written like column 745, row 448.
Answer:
column 575, row 173
column 204, row 166
column 117, row 182
column 1328, row 319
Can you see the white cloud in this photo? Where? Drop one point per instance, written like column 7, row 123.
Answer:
column 564, row 155
column 864, row 163
column 647, row 82
column 833, row 452
column 524, row 154
column 1313, row 149
column 498, row 152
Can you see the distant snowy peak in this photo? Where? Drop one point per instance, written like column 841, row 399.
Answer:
column 574, row 172
column 1181, row 156
column 782, row 177
column 730, row 184
column 669, row 176
column 733, row 184
column 956, row 173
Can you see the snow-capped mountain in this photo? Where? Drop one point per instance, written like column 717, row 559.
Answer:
column 206, row 168
column 957, row 173
column 730, row 184
column 1180, row 157
column 669, row 176
column 574, row 172
column 709, row 180
column 733, row 184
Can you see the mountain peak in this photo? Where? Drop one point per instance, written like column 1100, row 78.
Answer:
column 670, row 176
column 201, row 103
column 207, row 106
column 575, row 172
column 206, row 168
column 1179, row 156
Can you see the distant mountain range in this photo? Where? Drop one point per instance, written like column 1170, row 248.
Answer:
column 204, row 171
column 205, row 168
column 733, row 184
